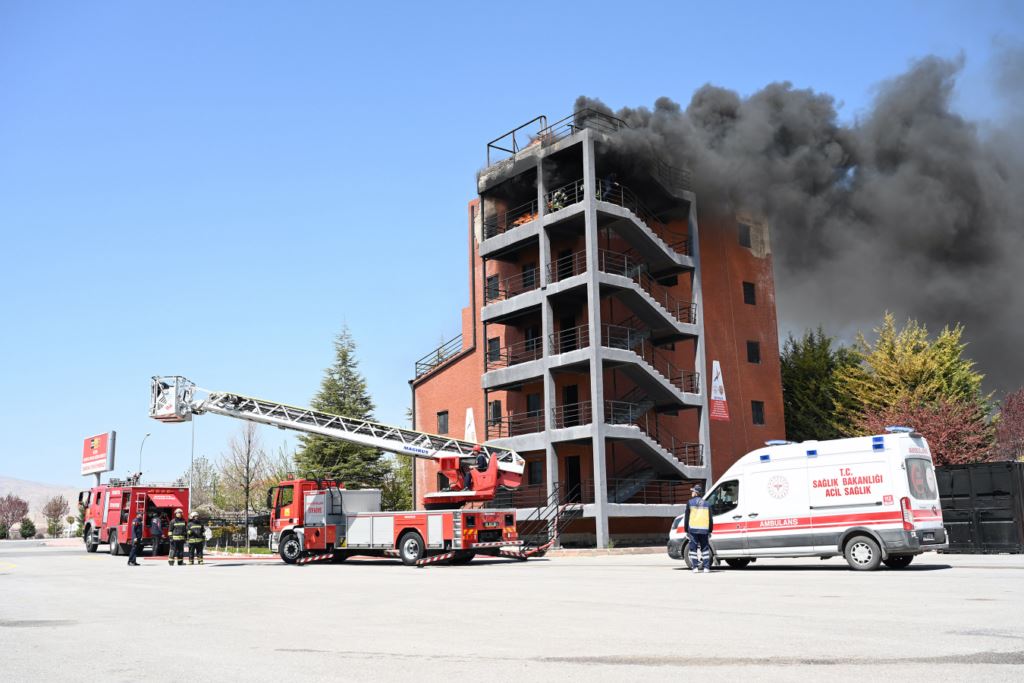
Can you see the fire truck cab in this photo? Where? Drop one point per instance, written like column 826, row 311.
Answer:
column 870, row 499
column 310, row 517
column 110, row 509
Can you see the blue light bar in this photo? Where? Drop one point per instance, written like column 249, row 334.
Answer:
column 777, row 442
column 812, row 454
column 765, row 458
column 897, row 429
column 878, row 443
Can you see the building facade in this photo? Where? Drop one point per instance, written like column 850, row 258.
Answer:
column 605, row 323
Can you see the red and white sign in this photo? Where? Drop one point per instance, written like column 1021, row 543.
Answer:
column 98, row 453
column 719, row 404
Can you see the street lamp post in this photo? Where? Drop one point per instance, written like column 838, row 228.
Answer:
column 140, row 453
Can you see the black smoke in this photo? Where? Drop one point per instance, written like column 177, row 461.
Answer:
column 912, row 208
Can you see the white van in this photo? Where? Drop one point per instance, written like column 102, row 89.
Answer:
column 871, row 499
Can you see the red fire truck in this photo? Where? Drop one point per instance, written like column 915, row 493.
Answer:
column 110, row 508
column 322, row 520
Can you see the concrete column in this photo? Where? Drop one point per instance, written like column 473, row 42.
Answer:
column 594, row 322
column 547, row 327
column 700, row 360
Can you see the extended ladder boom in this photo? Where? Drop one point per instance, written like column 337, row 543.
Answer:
column 173, row 399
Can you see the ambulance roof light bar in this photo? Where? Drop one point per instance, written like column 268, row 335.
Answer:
column 778, row 442
column 900, row 429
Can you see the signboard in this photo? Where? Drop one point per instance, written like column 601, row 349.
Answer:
column 98, row 453
column 719, row 404
column 470, row 426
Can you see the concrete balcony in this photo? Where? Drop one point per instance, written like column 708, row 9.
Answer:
column 513, row 364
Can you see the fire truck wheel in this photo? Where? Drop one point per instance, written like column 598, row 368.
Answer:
column 738, row 562
column 290, row 549
column 115, row 547
column 862, row 553
column 463, row 558
column 90, row 547
column 898, row 561
column 410, row 547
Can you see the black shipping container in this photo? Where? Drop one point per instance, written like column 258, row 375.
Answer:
column 983, row 506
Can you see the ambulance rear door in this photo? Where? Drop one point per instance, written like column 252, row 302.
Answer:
column 922, row 488
column 777, row 515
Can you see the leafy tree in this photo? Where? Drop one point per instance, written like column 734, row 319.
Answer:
column 205, row 481
column 4, row 531
column 243, row 471
column 54, row 512
column 342, row 392
column 281, row 467
column 396, row 491
column 1010, row 427
column 28, row 528
column 906, row 368
column 956, row 431
column 12, row 508
column 810, row 390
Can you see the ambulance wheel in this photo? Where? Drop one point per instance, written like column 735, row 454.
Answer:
column 290, row 549
column 115, row 547
column 898, row 561
column 738, row 562
column 862, row 553
column 410, row 547
column 90, row 547
column 463, row 558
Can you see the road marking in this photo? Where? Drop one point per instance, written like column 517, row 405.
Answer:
column 9, row 565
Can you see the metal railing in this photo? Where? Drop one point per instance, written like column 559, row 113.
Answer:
column 564, row 196
column 614, row 193
column 513, row 218
column 616, row 263
column 567, row 266
column 571, row 415
column 637, row 341
column 514, row 285
column 570, row 339
column 515, row 424
column 516, row 139
column 647, row 492
column 514, row 354
column 622, row 413
column 439, row 355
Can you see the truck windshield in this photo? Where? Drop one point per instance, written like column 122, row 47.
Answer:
column 921, row 478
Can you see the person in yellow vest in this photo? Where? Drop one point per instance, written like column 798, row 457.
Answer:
column 698, row 524
column 178, row 531
column 196, row 538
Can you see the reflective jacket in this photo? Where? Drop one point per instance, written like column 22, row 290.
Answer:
column 196, row 532
column 178, row 528
column 698, row 518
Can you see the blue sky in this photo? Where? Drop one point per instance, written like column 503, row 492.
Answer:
column 215, row 188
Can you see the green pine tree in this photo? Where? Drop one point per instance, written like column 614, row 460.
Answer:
column 810, row 390
column 342, row 392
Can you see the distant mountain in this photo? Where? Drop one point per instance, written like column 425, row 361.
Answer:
column 37, row 495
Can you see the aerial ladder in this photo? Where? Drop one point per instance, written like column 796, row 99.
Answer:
column 177, row 399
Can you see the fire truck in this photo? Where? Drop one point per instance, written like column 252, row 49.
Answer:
column 321, row 520
column 111, row 507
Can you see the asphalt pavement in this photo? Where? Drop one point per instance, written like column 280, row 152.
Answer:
column 69, row 615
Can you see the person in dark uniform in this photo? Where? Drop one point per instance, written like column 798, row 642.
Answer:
column 698, row 524
column 481, row 466
column 196, row 538
column 137, row 527
column 179, row 529
column 157, row 532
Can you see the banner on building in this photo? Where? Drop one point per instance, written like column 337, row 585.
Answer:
column 98, row 453
column 470, row 426
column 719, row 404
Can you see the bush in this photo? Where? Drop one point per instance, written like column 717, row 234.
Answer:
column 28, row 529
column 4, row 532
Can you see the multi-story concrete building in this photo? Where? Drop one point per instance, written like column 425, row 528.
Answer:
column 600, row 308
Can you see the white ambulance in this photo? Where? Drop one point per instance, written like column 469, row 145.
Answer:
column 871, row 499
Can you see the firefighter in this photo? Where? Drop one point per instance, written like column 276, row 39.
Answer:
column 698, row 525
column 137, row 527
column 156, row 530
column 178, row 530
column 481, row 466
column 196, row 538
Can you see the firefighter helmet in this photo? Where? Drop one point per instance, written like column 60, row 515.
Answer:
column 179, row 511
column 477, row 448
column 194, row 515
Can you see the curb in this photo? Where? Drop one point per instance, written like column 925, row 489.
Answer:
column 604, row 552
